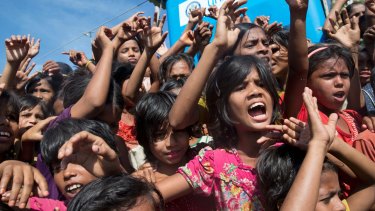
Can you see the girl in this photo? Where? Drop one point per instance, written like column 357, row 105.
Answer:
column 242, row 101
column 176, row 66
column 165, row 149
column 290, row 184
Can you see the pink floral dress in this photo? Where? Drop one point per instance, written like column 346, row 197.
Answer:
column 222, row 171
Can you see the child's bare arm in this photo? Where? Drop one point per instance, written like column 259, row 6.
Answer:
column 303, row 195
column 297, row 57
column 152, row 38
column 174, row 187
column 154, row 67
column 183, row 113
column 93, row 100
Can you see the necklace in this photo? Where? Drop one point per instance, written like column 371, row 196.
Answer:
column 351, row 123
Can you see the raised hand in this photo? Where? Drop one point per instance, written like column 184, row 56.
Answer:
column 226, row 33
column 94, row 154
column 262, row 20
column 321, row 134
column 22, row 178
column 196, row 15
column 22, row 75
column 34, row 47
column 298, row 4
column 16, row 48
column 187, row 38
column 152, row 35
column 203, row 33
column 213, row 12
column 345, row 30
column 51, row 67
column 103, row 38
column 77, row 57
column 131, row 27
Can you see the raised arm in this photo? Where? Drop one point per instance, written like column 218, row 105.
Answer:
column 303, row 195
column 152, row 38
column 93, row 100
column 183, row 112
column 336, row 8
column 297, row 57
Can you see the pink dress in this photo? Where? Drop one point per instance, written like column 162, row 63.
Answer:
column 44, row 204
column 222, row 172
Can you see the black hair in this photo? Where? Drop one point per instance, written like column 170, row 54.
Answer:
column 10, row 105
column 167, row 64
column 332, row 51
column 372, row 79
column 65, row 69
column 151, row 118
column 75, row 85
column 121, row 72
column 5, row 207
column 173, row 83
column 244, row 28
column 277, row 168
column 28, row 102
column 56, row 136
column 222, row 83
column 55, row 81
column 119, row 192
column 281, row 38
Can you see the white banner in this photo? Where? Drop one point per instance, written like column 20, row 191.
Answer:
column 185, row 7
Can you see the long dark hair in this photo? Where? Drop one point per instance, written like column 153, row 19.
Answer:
column 221, row 84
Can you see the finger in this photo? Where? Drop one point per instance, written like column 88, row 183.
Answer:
column 27, row 62
column 333, row 25
column 28, row 181
column 161, row 24
column 33, row 76
column 65, row 53
column 5, row 178
column 345, row 17
column 41, row 183
column 43, row 123
column 16, row 185
column 240, row 11
column 155, row 23
column 354, row 24
column 30, row 69
column 332, row 121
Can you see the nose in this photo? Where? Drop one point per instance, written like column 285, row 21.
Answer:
column 33, row 120
column 38, row 94
column 338, row 205
column 69, row 171
column 131, row 53
column 263, row 49
column 253, row 92
column 170, row 142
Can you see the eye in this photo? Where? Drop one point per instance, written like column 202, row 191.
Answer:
column 56, row 168
column 240, row 87
column 44, row 90
column 345, row 75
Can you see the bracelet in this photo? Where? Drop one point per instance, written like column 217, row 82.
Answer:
column 87, row 64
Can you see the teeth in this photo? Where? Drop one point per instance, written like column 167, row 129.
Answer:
column 7, row 134
column 256, row 104
column 73, row 187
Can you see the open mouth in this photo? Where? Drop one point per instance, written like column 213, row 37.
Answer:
column 257, row 111
column 5, row 134
column 73, row 189
column 339, row 95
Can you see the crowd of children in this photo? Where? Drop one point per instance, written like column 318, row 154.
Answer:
column 264, row 120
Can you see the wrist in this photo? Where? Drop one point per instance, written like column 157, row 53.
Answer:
column 318, row 145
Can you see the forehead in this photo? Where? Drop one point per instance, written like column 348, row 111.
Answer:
column 333, row 64
column 43, row 83
column 329, row 181
column 254, row 34
column 252, row 75
column 130, row 44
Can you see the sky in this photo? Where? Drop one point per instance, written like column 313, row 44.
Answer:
column 57, row 23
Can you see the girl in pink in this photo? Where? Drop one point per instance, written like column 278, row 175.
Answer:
column 242, row 101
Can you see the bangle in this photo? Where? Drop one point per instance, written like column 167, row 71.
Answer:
column 87, row 64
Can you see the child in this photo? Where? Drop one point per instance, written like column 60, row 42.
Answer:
column 120, row 192
column 175, row 66
column 242, row 101
column 293, row 180
column 77, row 152
column 32, row 111
column 165, row 149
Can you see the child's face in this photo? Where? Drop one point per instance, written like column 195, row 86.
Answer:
column 8, row 132
column 171, row 149
column 255, row 42
column 364, row 66
column 30, row 117
column 330, row 84
column 71, row 179
column 179, row 69
column 250, row 104
column 279, row 59
column 329, row 192
column 43, row 90
column 129, row 52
